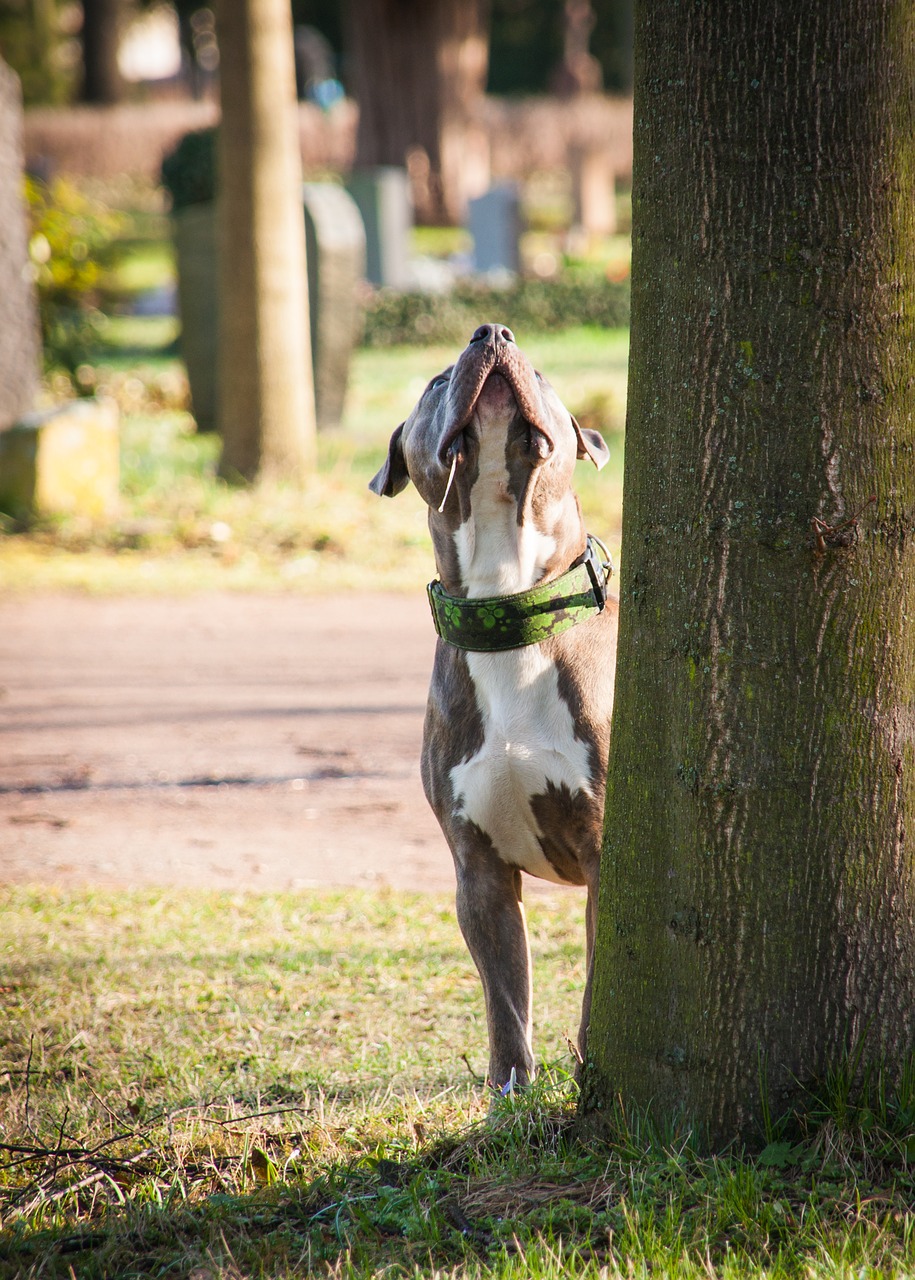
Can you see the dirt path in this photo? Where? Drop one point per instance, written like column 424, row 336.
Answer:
column 221, row 741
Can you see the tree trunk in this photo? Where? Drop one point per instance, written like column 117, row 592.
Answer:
column 266, row 393
column 757, row 905
column 418, row 69
column 102, row 82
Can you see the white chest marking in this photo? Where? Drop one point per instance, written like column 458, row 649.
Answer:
column 529, row 740
column 529, row 734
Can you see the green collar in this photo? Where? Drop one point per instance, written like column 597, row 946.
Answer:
column 511, row 622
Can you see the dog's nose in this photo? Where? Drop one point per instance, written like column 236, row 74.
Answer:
column 494, row 333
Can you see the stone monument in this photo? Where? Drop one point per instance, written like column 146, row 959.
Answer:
column 494, row 221
column 593, row 190
column 335, row 249
column 335, row 254
column 194, row 231
column 63, row 459
column 19, row 336
column 383, row 198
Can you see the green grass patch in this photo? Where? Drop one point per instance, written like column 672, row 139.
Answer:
column 138, row 265
column 440, row 242
column 139, row 343
column 180, row 528
column 228, row 1085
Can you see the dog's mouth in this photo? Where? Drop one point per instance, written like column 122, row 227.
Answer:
column 508, row 375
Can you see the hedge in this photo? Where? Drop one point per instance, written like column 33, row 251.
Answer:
column 394, row 318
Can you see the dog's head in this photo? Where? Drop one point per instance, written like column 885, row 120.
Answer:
column 488, row 433
column 491, row 388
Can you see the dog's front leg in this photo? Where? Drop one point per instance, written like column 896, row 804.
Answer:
column 491, row 916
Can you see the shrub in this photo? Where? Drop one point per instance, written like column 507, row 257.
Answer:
column 393, row 318
column 68, row 236
column 189, row 172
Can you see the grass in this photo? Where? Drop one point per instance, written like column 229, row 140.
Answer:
column 182, row 529
column 217, row 1085
column 139, row 265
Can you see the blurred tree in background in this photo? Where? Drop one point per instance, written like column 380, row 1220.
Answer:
column 36, row 40
column 62, row 50
column 266, row 406
column 525, row 41
column 103, row 23
column 418, row 71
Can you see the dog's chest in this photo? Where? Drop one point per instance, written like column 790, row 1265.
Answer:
column 529, row 748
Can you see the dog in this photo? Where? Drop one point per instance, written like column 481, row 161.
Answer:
column 517, row 723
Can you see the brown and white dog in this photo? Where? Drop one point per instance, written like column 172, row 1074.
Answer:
column 515, row 741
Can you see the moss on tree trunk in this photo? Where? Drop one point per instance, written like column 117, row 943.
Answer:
column 757, row 905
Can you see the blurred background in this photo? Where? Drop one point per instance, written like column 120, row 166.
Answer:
column 462, row 160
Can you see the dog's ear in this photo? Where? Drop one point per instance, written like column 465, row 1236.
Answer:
column 393, row 476
column 591, row 444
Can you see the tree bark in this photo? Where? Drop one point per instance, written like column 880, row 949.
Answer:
column 757, row 909
column 266, row 411
column 418, row 69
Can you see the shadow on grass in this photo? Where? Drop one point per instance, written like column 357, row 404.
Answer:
column 527, row 1194
column 519, row 1187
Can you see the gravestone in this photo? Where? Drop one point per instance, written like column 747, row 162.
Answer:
column 593, row 190
column 335, row 253
column 194, row 231
column 494, row 220
column 383, row 199
column 62, row 460
column 335, row 243
column 19, row 336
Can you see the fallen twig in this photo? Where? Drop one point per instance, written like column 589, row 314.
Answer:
column 479, row 1079
column 45, row 1196
column 254, row 1115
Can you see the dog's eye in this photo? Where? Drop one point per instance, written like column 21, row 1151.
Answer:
column 442, row 380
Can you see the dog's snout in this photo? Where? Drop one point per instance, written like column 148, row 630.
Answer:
column 494, row 333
